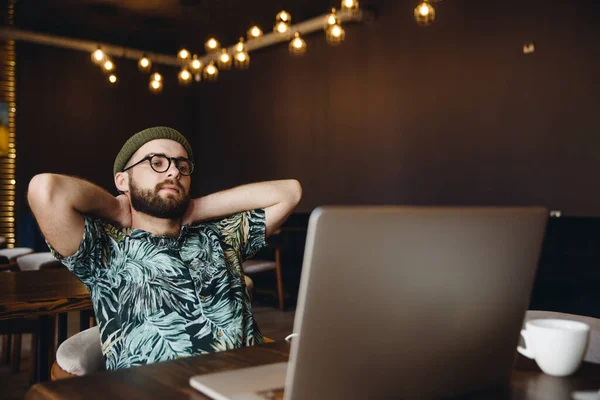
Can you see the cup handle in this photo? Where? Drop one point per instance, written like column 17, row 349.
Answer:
column 525, row 350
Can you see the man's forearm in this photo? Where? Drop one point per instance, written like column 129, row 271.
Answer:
column 83, row 196
column 245, row 197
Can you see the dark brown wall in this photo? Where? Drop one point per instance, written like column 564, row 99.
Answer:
column 70, row 121
column 451, row 114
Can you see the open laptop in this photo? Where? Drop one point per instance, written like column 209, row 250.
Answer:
column 402, row 302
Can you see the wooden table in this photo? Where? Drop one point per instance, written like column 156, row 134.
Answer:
column 43, row 294
column 169, row 380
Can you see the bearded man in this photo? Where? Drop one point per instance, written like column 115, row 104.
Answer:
column 163, row 270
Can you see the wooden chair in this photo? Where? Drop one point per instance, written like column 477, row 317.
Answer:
column 262, row 263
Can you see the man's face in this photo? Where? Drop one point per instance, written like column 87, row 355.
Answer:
column 164, row 194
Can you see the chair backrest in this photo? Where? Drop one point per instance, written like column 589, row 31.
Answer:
column 37, row 261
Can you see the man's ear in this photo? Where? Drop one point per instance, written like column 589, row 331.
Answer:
column 122, row 181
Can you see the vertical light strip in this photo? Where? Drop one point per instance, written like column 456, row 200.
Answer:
column 8, row 164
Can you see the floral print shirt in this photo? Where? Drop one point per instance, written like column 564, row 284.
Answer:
column 159, row 298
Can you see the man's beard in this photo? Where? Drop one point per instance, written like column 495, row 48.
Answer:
column 149, row 201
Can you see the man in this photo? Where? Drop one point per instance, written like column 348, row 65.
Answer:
column 164, row 271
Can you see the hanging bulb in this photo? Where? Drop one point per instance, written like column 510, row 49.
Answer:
column 281, row 27
column 224, row 60
column 184, row 77
column 284, row 16
column 108, row 66
column 331, row 19
column 210, row 72
column 424, row 13
column 297, row 46
column 196, row 67
column 156, row 77
column 155, row 86
column 144, row 64
column 183, row 55
column 349, row 5
column 254, row 32
column 98, row 56
column 282, row 22
column 241, row 58
column 335, row 34
column 112, row 79
column 211, row 45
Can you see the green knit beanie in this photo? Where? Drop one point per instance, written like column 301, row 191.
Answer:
column 143, row 137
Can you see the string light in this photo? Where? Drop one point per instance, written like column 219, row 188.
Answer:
column 183, row 55
column 196, row 67
column 241, row 58
column 184, row 77
column 210, row 72
column 335, row 34
column 254, row 32
column 98, row 56
column 331, row 19
column 349, row 5
column 112, row 79
column 282, row 22
column 297, row 45
column 224, row 60
column 211, row 45
column 424, row 13
column 284, row 16
column 156, row 83
column 144, row 64
column 108, row 66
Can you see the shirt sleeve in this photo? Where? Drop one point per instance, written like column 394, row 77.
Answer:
column 245, row 232
column 91, row 259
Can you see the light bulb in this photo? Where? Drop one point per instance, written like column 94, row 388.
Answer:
column 144, row 64
column 155, row 86
column 284, row 16
column 98, row 56
column 254, row 32
column 297, row 45
column 211, row 72
column 424, row 13
column 335, row 35
column 108, row 66
column 224, row 60
column 156, row 77
column 196, row 64
column 281, row 27
column 183, row 55
column 350, row 5
column 184, row 77
column 212, row 44
column 239, row 47
column 112, row 78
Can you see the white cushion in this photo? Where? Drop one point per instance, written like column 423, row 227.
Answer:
column 15, row 252
column 593, row 352
column 33, row 262
column 81, row 354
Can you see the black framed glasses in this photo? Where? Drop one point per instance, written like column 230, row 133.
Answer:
column 161, row 163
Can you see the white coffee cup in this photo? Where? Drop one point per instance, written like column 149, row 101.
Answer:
column 557, row 345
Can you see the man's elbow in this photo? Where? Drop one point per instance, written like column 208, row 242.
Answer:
column 39, row 192
column 295, row 191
